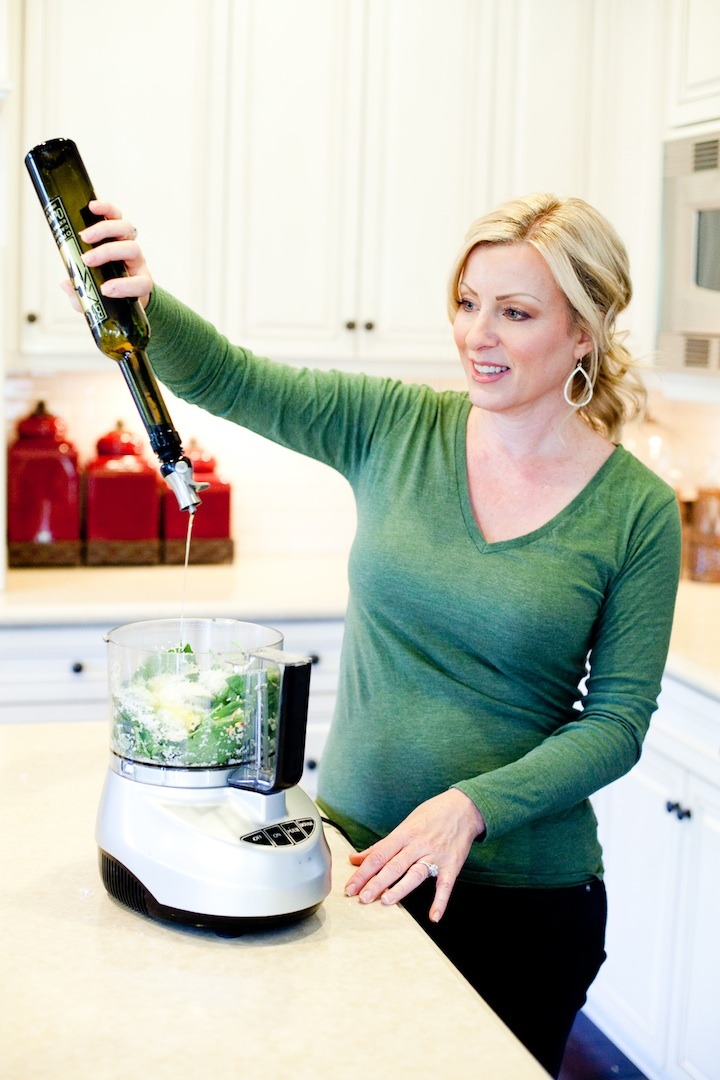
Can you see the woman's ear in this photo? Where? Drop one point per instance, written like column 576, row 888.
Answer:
column 583, row 346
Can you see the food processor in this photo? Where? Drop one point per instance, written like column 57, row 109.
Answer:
column 201, row 821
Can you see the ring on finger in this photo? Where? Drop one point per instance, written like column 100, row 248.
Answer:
column 432, row 868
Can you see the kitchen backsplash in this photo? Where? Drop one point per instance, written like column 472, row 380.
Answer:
column 281, row 501
column 284, row 503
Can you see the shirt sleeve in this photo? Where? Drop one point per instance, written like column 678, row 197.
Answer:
column 335, row 417
column 603, row 740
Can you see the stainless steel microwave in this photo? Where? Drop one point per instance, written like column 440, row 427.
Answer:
column 689, row 337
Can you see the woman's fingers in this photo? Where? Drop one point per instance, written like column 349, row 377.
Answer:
column 433, row 841
column 113, row 240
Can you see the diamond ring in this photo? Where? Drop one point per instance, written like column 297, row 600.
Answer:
column 432, row 868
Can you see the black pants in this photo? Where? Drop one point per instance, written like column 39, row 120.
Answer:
column 530, row 953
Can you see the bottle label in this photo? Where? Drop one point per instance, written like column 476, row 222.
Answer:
column 80, row 275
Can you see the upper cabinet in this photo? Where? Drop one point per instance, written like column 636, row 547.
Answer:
column 694, row 67
column 304, row 173
column 354, row 152
column 134, row 84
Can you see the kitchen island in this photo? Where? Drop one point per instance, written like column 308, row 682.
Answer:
column 93, row 991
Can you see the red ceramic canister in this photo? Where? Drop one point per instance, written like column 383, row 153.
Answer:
column 210, row 538
column 43, row 488
column 122, row 504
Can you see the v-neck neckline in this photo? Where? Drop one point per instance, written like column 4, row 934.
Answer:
column 463, row 482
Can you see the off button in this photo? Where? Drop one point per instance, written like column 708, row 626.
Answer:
column 260, row 838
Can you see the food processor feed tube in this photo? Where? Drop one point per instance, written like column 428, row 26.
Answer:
column 119, row 326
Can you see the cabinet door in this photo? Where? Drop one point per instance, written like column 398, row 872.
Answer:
column 136, row 85
column 353, row 174
column 696, row 1050
column 427, row 133
column 293, row 132
column 641, row 844
column 694, row 61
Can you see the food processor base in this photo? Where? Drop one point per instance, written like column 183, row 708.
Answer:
column 123, row 886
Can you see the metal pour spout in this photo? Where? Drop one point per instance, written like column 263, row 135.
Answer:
column 178, row 476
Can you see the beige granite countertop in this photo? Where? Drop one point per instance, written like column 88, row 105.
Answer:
column 92, row 991
column 253, row 588
column 695, row 643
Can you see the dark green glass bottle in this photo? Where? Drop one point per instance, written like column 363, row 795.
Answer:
column 119, row 326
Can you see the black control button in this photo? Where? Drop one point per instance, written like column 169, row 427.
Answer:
column 278, row 836
column 296, row 834
column 307, row 825
column 261, row 838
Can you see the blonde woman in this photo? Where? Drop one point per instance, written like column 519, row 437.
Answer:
column 507, row 547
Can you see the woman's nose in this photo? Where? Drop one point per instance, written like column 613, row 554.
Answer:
column 480, row 333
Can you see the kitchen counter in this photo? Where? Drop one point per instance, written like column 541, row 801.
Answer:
column 253, row 588
column 263, row 588
column 694, row 656
column 90, row 989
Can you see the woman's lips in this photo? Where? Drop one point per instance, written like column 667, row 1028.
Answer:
column 488, row 372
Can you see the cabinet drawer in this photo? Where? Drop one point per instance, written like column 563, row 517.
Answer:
column 686, row 727
column 322, row 641
column 49, row 666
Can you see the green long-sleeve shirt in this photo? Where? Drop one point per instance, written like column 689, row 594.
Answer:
column 461, row 659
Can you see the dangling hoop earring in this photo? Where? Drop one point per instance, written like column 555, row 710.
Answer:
column 579, row 370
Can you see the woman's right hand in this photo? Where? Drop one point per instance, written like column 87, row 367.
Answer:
column 121, row 246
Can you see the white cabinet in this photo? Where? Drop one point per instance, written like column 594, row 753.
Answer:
column 355, row 143
column 135, row 85
column 694, row 62
column 303, row 173
column 656, row 995
column 53, row 673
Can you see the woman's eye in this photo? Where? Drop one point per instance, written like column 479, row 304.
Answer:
column 516, row 314
column 466, row 305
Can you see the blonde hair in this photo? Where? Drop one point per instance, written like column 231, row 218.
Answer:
column 589, row 262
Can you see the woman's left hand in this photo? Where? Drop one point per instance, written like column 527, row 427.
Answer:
column 438, row 832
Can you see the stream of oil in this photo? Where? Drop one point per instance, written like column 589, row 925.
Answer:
column 183, row 594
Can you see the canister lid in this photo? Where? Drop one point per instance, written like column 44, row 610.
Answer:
column 118, row 443
column 40, row 424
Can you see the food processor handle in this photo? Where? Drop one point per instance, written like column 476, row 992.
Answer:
column 292, row 718
column 292, row 724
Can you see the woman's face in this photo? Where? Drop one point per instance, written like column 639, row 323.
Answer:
column 513, row 331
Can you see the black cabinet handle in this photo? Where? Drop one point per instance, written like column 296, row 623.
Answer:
column 77, row 667
column 351, row 324
column 311, row 764
column 314, row 658
column 680, row 812
column 31, row 317
column 369, row 325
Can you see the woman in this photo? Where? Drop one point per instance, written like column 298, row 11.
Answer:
column 506, row 549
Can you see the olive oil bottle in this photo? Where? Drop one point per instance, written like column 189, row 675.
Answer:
column 119, row 326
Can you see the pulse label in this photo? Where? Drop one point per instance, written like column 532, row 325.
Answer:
column 80, row 275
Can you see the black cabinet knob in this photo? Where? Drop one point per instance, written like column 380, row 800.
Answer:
column 680, row 812
column 369, row 325
column 351, row 324
column 31, row 317
column 77, row 667
column 311, row 764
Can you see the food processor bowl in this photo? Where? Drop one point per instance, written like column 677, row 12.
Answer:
column 195, row 694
